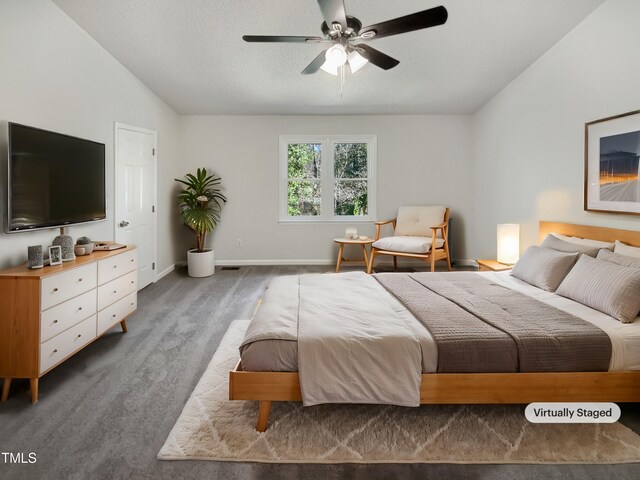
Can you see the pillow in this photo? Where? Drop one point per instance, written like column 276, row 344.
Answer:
column 585, row 241
column 618, row 259
column 607, row 287
column 417, row 221
column 626, row 250
column 555, row 243
column 544, row 267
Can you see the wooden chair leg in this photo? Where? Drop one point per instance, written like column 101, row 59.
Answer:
column 123, row 325
column 448, row 262
column 433, row 262
column 5, row 389
column 372, row 255
column 339, row 258
column 33, row 383
column 263, row 415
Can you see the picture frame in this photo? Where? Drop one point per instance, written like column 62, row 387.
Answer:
column 612, row 164
column 55, row 255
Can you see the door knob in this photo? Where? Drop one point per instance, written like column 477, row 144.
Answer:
column 124, row 224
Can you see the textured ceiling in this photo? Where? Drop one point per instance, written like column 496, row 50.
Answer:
column 191, row 54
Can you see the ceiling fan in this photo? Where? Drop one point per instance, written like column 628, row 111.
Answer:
column 343, row 31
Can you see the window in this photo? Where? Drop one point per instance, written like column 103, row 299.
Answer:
column 327, row 178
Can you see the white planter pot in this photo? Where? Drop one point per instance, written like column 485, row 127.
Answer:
column 200, row 264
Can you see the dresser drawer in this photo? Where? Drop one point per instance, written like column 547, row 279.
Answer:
column 116, row 266
column 117, row 289
column 115, row 313
column 63, row 286
column 68, row 342
column 57, row 319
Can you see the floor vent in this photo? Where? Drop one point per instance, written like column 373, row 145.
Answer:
column 230, row 268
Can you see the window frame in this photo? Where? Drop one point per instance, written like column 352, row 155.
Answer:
column 327, row 178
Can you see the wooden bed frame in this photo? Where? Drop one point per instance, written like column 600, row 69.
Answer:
column 470, row 388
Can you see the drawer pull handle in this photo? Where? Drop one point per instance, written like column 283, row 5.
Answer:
column 115, row 291
column 55, row 351
column 132, row 304
column 55, row 289
column 131, row 281
column 115, row 266
column 131, row 260
column 79, row 335
column 114, row 315
column 56, row 321
column 79, row 308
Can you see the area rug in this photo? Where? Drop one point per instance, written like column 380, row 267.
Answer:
column 212, row 427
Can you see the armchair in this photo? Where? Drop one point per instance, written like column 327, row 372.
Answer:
column 420, row 232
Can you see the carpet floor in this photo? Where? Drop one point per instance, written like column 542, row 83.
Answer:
column 106, row 412
column 212, row 427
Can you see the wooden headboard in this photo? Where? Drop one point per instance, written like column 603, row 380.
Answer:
column 604, row 234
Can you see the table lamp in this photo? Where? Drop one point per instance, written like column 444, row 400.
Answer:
column 508, row 243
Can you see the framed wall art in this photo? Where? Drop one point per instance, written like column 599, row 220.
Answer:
column 611, row 158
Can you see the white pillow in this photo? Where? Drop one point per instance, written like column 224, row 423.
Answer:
column 622, row 249
column 544, row 267
column 618, row 259
column 555, row 243
column 607, row 287
column 585, row 241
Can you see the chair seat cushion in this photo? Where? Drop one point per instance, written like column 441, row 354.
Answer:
column 407, row 244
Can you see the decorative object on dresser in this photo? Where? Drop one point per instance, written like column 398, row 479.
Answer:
column 55, row 255
column 34, row 256
column 611, row 164
column 85, row 245
column 48, row 315
column 66, row 244
column 200, row 204
column 508, row 241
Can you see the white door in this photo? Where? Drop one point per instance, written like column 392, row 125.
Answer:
column 135, row 191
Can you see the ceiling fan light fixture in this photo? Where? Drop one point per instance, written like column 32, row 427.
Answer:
column 356, row 61
column 336, row 56
column 329, row 68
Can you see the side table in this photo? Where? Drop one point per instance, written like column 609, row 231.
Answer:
column 363, row 242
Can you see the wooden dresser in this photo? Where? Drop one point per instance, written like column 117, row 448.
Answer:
column 48, row 314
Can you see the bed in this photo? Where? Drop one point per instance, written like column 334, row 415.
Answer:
column 617, row 382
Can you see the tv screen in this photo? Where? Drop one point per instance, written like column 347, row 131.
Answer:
column 54, row 179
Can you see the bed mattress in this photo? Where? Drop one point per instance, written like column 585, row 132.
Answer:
column 281, row 354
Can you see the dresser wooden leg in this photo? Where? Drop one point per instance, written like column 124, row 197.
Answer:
column 263, row 415
column 6, row 385
column 123, row 324
column 33, row 382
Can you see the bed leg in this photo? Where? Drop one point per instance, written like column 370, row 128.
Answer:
column 263, row 415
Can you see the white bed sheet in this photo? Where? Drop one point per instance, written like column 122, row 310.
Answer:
column 625, row 337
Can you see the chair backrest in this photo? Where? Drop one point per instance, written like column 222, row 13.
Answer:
column 417, row 220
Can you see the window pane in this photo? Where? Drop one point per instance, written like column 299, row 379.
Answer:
column 303, row 198
column 350, row 197
column 350, row 160
column 304, row 160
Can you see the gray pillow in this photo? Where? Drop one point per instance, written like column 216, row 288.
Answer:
column 544, row 267
column 605, row 286
column 560, row 245
column 618, row 259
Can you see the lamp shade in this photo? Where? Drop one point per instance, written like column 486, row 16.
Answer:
column 508, row 243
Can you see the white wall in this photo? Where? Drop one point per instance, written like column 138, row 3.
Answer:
column 528, row 141
column 421, row 160
column 55, row 76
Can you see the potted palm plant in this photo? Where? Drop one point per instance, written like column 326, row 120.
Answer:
column 200, row 204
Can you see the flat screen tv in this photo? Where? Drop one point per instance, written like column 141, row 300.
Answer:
column 54, row 179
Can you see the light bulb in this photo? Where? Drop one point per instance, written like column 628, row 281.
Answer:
column 336, row 56
column 356, row 61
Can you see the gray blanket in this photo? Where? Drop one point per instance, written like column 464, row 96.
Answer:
column 479, row 326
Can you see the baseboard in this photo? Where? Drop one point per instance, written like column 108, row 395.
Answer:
column 166, row 272
column 287, row 261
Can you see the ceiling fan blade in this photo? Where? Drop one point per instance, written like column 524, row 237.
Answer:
column 314, row 66
column 333, row 11
column 416, row 21
column 376, row 57
column 280, row 39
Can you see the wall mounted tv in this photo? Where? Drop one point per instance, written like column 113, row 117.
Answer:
column 54, row 179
